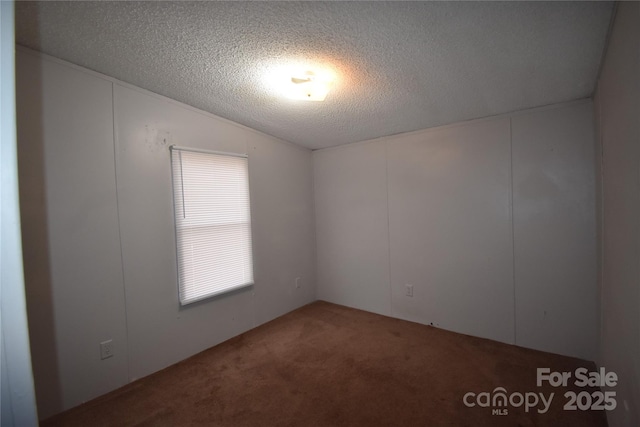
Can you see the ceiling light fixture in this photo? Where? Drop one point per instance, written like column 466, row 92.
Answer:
column 310, row 86
column 298, row 80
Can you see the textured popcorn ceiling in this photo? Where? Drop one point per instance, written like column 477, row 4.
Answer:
column 400, row 66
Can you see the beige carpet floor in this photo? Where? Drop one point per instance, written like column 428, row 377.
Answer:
column 329, row 365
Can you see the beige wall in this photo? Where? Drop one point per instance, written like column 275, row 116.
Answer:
column 618, row 111
column 99, row 245
column 491, row 221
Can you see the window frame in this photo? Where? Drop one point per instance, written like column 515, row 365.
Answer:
column 228, row 289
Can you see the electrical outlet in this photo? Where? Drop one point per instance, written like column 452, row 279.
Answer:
column 106, row 349
column 408, row 290
column 298, row 281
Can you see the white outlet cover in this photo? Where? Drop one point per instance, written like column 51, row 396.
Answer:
column 106, row 349
column 409, row 290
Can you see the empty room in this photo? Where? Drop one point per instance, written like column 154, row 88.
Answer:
column 369, row 213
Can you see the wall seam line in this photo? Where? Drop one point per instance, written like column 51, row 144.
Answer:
column 316, row 280
column 513, row 237
column 600, row 227
column 115, row 174
column 386, row 179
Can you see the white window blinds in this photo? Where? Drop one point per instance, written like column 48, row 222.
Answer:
column 213, row 223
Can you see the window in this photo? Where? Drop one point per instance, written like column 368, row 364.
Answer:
column 213, row 222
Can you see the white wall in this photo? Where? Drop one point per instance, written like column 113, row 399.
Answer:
column 449, row 229
column 280, row 185
column 352, row 226
column 17, row 397
column 73, row 270
column 99, row 238
column 469, row 216
column 618, row 108
column 555, row 230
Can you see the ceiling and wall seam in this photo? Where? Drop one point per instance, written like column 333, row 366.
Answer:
column 606, row 46
column 153, row 95
column 399, row 66
column 461, row 124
